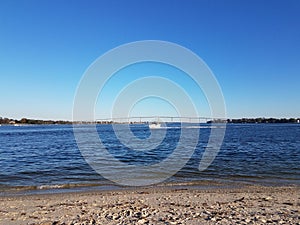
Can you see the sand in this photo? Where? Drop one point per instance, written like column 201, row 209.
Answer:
column 180, row 205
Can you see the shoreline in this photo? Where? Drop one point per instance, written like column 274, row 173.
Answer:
column 157, row 205
column 97, row 187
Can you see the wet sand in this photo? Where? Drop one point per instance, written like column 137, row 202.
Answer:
column 160, row 205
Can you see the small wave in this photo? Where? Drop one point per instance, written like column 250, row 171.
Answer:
column 47, row 187
column 56, row 186
column 64, row 186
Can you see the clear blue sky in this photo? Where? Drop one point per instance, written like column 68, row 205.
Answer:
column 253, row 48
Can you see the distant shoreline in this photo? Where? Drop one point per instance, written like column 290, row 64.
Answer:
column 26, row 121
column 259, row 120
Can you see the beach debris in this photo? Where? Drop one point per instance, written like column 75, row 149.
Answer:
column 239, row 200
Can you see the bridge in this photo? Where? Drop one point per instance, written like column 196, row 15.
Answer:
column 165, row 119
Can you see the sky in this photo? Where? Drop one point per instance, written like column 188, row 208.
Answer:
column 252, row 47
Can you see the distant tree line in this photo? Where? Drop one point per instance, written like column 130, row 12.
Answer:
column 31, row 121
column 257, row 120
column 242, row 120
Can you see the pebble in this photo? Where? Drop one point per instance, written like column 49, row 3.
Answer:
column 267, row 198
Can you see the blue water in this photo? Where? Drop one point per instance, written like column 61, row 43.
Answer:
column 48, row 156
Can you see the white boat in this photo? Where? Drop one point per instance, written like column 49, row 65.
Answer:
column 154, row 125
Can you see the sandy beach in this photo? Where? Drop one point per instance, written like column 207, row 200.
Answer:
column 158, row 205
